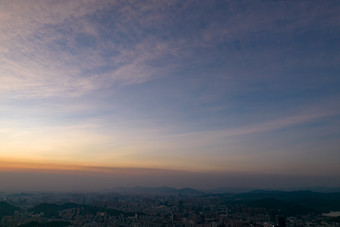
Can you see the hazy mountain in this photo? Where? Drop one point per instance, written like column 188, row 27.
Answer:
column 297, row 202
column 158, row 190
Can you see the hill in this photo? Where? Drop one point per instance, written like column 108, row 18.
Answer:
column 7, row 209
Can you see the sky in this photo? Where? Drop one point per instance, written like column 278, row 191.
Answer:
column 204, row 94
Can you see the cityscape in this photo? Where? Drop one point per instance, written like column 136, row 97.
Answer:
column 166, row 206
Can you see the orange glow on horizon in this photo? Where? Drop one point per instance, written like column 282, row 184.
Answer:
column 43, row 166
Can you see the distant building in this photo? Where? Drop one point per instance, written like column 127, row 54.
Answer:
column 280, row 221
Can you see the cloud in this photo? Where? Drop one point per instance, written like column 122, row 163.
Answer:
column 68, row 49
column 56, row 49
column 265, row 126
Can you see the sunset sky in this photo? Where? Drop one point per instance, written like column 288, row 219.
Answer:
column 180, row 93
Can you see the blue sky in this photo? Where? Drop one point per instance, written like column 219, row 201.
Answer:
column 202, row 86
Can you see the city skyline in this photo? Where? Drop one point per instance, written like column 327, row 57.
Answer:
column 201, row 94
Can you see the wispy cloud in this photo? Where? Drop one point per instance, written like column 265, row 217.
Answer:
column 45, row 50
column 265, row 126
column 71, row 48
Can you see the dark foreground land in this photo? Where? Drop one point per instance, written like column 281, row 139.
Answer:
column 170, row 207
